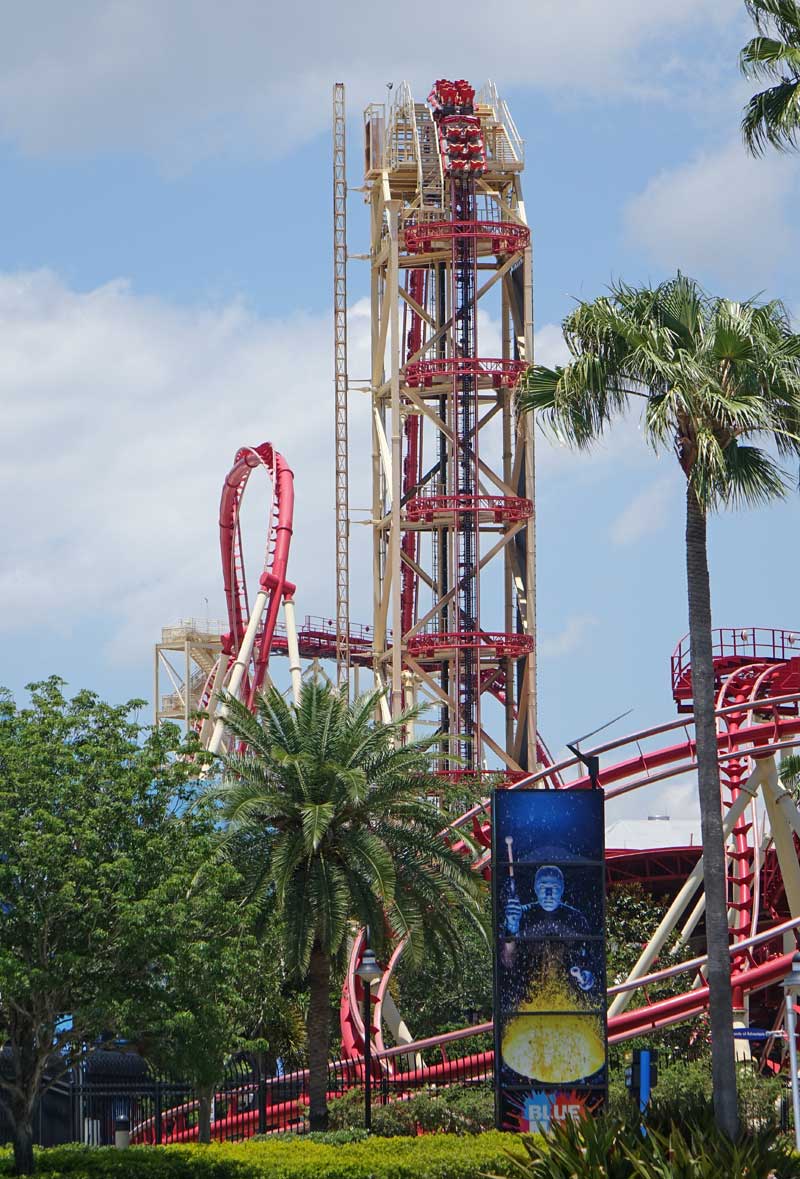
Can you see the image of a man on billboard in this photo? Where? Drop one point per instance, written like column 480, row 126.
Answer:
column 548, row 914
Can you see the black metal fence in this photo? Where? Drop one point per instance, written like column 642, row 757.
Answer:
column 84, row 1105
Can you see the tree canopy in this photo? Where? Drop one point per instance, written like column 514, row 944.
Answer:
column 98, row 849
column 712, row 376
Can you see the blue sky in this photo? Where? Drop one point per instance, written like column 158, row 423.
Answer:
column 165, row 289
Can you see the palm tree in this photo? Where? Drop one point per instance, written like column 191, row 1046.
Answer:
column 325, row 812
column 772, row 117
column 711, row 377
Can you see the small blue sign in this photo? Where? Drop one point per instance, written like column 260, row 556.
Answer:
column 757, row 1034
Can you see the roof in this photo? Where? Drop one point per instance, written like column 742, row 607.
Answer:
column 642, row 834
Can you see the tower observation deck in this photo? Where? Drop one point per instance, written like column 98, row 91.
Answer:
column 452, row 464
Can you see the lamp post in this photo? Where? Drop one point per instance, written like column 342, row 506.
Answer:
column 369, row 972
column 791, row 986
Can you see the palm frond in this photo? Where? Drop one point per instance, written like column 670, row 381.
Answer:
column 782, row 15
column 768, row 58
column 316, row 818
column 330, row 900
column 753, row 477
column 715, row 377
column 772, row 118
column 789, row 773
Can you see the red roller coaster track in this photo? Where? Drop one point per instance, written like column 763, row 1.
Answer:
column 246, row 647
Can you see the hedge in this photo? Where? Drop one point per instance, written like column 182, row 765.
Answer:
column 459, row 1109
column 435, row 1156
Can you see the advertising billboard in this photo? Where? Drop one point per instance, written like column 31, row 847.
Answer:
column 548, row 884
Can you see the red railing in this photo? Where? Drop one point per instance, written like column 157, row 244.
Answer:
column 733, row 647
column 501, row 644
column 503, row 373
column 504, row 237
column 316, row 637
column 510, row 508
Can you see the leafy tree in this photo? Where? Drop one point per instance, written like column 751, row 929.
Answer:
column 193, row 1029
column 222, row 990
column 444, row 993
column 273, row 1027
column 772, row 117
column 632, row 915
column 789, row 774
column 335, row 803
column 712, row 376
column 92, row 864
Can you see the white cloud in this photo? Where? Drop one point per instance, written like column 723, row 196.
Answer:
column 193, row 77
column 549, row 346
column 569, row 639
column 723, row 214
column 646, row 513
column 674, row 797
column 121, row 416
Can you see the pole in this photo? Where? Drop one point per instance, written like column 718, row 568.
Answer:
column 791, row 1031
column 644, row 1080
column 239, row 667
column 293, row 649
column 367, row 1055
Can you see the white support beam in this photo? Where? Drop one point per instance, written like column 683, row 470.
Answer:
column 676, row 909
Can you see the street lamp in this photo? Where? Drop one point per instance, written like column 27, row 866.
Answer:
column 791, row 986
column 369, row 972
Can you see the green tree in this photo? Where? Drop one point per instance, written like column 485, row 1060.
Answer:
column 772, row 117
column 632, row 915
column 193, row 1030
column 222, row 989
column 92, row 855
column 712, row 377
column 336, row 806
column 444, row 993
column 789, row 774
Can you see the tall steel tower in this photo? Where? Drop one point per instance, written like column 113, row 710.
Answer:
column 452, row 464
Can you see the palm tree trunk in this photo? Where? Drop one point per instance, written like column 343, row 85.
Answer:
column 318, row 1033
column 723, row 1067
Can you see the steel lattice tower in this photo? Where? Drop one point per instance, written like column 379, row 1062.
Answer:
column 452, row 464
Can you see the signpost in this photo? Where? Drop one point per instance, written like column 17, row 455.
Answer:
column 548, row 880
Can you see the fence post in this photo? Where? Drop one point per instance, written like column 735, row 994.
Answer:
column 158, row 1114
column 262, row 1098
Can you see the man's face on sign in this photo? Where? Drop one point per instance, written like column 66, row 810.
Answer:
column 549, row 888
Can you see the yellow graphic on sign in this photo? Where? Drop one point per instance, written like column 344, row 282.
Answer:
column 553, row 1048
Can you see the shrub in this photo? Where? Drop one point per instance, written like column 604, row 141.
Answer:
column 438, row 1156
column 460, row 1109
column 331, row 1137
column 684, row 1093
column 610, row 1148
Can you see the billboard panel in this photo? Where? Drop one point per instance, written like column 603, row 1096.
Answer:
column 548, row 882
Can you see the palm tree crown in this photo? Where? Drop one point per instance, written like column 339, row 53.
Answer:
column 772, row 117
column 712, row 375
column 336, row 805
